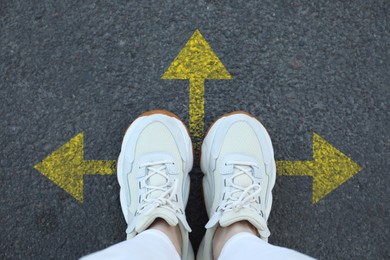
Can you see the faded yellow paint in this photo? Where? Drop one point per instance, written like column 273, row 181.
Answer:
column 66, row 167
column 196, row 62
column 197, row 108
column 329, row 168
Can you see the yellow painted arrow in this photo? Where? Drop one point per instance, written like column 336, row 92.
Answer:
column 329, row 168
column 196, row 62
column 66, row 167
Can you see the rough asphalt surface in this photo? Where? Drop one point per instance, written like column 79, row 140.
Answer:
column 94, row 66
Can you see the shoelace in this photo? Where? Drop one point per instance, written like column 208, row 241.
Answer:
column 247, row 194
column 169, row 189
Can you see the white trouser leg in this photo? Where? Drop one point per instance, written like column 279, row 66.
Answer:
column 247, row 246
column 149, row 245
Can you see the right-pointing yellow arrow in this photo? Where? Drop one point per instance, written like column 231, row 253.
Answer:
column 196, row 62
column 329, row 168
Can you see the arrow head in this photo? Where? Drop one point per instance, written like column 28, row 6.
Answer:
column 65, row 166
column 196, row 61
column 332, row 168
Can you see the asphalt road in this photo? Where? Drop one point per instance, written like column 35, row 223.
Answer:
column 94, row 66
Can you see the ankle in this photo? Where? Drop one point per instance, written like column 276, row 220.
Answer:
column 223, row 234
column 172, row 232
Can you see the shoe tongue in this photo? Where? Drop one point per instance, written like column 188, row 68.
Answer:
column 242, row 180
column 157, row 180
column 145, row 221
column 250, row 215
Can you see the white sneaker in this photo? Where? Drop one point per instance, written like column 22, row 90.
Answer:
column 153, row 167
column 239, row 173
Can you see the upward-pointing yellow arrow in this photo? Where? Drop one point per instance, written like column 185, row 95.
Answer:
column 66, row 167
column 196, row 62
column 329, row 168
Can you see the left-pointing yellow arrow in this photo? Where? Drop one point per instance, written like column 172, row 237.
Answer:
column 66, row 167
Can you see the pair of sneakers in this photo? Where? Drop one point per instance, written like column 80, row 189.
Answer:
column 237, row 160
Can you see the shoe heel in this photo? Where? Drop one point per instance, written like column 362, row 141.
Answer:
column 190, row 253
column 205, row 250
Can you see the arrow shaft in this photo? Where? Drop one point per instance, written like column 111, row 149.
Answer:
column 295, row 168
column 197, row 110
column 101, row 167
